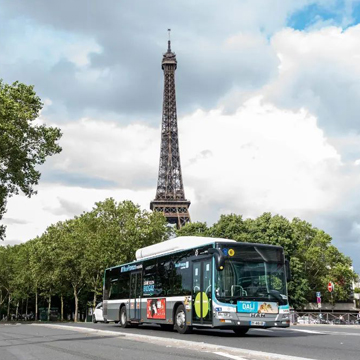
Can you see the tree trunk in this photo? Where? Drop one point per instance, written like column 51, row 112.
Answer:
column 94, row 302
column 36, row 305
column 26, row 307
column 8, row 309
column 49, row 308
column 62, row 308
column 76, row 305
column 17, row 311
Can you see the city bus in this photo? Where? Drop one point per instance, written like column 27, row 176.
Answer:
column 200, row 282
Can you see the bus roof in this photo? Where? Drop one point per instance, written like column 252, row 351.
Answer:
column 176, row 244
column 185, row 243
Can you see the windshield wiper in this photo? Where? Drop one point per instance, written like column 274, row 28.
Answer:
column 275, row 294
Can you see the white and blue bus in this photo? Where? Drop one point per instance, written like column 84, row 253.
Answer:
column 200, row 282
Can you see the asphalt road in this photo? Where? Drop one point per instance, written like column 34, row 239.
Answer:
column 27, row 342
column 78, row 341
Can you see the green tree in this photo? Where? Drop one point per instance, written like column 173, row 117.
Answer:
column 298, row 287
column 193, row 229
column 23, row 144
column 49, row 275
column 35, row 270
column 20, row 282
column 113, row 232
column 8, row 279
column 230, row 227
column 5, row 268
column 70, row 248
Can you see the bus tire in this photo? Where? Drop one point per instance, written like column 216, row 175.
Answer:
column 241, row 331
column 181, row 325
column 123, row 318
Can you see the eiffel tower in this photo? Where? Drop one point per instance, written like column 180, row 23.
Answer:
column 170, row 195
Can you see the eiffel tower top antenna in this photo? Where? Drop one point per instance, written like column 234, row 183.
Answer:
column 169, row 41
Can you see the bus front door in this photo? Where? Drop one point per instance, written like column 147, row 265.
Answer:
column 135, row 293
column 202, row 292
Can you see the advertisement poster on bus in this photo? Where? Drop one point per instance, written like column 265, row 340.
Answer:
column 156, row 309
column 257, row 307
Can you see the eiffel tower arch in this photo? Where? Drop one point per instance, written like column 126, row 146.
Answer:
column 170, row 196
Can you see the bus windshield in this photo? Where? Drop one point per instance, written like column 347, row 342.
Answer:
column 251, row 281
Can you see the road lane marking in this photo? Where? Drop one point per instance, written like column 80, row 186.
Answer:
column 185, row 344
column 327, row 332
column 341, row 333
column 228, row 355
column 308, row 331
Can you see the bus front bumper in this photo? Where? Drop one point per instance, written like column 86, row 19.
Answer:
column 230, row 320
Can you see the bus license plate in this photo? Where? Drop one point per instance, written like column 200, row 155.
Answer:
column 258, row 323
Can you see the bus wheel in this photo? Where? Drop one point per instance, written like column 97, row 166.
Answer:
column 123, row 318
column 241, row 331
column 180, row 321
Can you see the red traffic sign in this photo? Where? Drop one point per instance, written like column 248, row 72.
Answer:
column 330, row 286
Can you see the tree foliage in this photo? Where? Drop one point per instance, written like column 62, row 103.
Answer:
column 69, row 259
column 23, row 144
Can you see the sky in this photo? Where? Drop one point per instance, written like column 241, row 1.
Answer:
column 268, row 98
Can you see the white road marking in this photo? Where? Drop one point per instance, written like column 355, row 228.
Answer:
column 308, row 331
column 342, row 333
column 324, row 332
column 229, row 356
column 183, row 344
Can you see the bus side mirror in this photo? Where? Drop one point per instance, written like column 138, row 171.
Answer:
column 219, row 258
column 288, row 270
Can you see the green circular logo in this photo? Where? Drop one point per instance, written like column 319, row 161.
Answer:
column 205, row 305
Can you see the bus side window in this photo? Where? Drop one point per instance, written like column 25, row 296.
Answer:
column 149, row 279
column 164, row 277
column 113, row 293
column 182, row 278
column 124, row 285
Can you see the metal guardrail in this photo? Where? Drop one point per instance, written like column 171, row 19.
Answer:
column 324, row 318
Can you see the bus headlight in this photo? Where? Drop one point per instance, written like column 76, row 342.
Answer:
column 223, row 314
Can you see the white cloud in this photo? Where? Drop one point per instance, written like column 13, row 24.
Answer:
column 57, row 203
column 259, row 159
column 125, row 155
column 319, row 70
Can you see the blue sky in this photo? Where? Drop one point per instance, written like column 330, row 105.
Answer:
column 268, row 96
column 339, row 13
